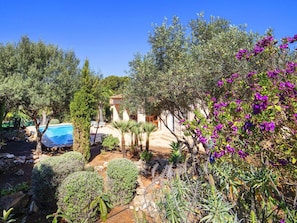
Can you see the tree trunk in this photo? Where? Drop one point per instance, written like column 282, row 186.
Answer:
column 147, row 144
column 39, row 135
column 101, row 119
column 43, row 118
column 123, row 146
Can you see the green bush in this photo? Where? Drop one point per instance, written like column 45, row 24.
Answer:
column 76, row 193
column 176, row 155
column 48, row 174
column 54, row 121
column 122, row 180
column 110, row 142
column 146, row 155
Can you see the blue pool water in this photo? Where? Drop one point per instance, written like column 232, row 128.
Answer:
column 58, row 135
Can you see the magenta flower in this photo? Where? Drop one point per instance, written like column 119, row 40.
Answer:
column 273, row 74
column 284, row 46
column 242, row 53
column 267, row 126
column 257, row 50
column 218, row 127
column 202, row 139
column 242, row 154
column 250, row 74
column 230, row 149
column 220, row 83
column 182, row 121
column 290, row 67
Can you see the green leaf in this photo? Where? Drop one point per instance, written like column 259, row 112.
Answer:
column 103, row 210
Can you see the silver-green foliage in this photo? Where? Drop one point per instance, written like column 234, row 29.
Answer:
column 48, row 174
column 76, row 193
column 122, row 180
column 216, row 208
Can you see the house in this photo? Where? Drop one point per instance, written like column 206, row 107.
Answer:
column 168, row 118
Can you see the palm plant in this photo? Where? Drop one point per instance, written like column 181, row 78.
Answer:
column 148, row 128
column 122, row 127
column 136, row 132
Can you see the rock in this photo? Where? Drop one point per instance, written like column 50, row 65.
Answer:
column 18, row 201
column 105, row 164
column 140, row 191
column 9, row 156
column 33, row 208
column 99, row 168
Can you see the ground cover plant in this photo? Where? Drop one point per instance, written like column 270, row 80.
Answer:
column 250, row 135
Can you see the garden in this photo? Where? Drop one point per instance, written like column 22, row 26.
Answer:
column 234, row 159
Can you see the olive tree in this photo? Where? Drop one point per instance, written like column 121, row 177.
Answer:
column 36, row 77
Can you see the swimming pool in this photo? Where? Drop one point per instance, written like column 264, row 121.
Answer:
column 60, row 135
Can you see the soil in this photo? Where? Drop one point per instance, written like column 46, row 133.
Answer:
column 121, row 214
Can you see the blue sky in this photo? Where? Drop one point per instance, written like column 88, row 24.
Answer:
column 110, row 32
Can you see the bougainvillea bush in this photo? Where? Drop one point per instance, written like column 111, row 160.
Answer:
column 252, row 130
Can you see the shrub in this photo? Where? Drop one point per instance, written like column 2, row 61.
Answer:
column 110, row 142
column 146, row 155
column 122, row 180
column 48, row 174
column 76, row 193
column 176, row 155
column 54, row 121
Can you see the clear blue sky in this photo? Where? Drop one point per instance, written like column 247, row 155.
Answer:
column 110, row 32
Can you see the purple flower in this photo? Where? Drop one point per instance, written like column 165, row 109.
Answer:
column 286, row 85
column 247, row 116
column 260, row 103
column 214, row 99
column 229, row 80
column 282, row 221
column 230, row 149
column 242, row 53
column 251, row 73
column 267, row 126
column 220, row 83
column 242, row 154
column 202, row 139
column 234, row 128
column 290, row 85
column 197, row 131
column 284, row 46
column 258, row 49
column 182, row 121
column 219, row 154
column 273, row 74
column 235, row 75
column 290, row 67
column 283, row 162
column 248, row 126
column 219, row 127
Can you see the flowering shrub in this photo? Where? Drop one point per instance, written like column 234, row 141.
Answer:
column 258, row 112
column 254, row 122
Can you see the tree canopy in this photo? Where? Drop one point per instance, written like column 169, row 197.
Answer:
column 183, row 64
column 37, row 76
